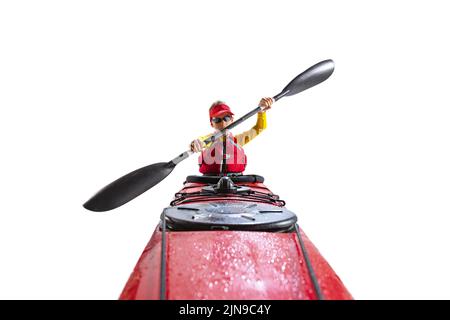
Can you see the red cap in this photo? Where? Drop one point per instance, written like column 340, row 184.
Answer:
column 220, row 109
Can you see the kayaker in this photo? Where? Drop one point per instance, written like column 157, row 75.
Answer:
column 211, row 157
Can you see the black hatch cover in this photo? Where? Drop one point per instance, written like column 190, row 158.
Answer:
column 229, row 215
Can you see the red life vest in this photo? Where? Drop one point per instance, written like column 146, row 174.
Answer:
column 211, row 159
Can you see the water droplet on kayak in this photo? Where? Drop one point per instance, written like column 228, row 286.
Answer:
column 259, row 285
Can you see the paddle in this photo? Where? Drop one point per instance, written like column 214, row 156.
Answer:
column 137, row 182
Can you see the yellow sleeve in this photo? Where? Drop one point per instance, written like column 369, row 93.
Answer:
column 204, row 138
column 247, row 136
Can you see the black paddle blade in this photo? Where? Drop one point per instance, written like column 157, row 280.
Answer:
column 308, row 78
column 129, row 187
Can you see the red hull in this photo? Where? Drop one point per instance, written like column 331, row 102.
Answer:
column 233, row 265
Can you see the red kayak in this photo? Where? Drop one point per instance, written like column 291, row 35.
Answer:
column 231, row 238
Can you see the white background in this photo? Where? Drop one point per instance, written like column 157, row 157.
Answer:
column 90, row 90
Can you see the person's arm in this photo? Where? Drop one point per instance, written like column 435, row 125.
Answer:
column 247, row 136
column 198, row 145
column 261, row 123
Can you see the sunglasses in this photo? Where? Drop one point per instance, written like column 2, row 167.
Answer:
column 219, row 120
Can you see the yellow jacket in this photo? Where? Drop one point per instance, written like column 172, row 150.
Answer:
column 246, row 136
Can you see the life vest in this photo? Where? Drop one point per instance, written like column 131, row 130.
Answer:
column 211, row 158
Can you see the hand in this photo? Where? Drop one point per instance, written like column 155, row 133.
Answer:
column 197, row 145
column 266, row 103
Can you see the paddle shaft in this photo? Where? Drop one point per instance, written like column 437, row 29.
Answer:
column 232, row 125
column 242, row 119
column 217, row 135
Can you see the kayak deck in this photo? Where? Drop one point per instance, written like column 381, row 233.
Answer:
column 231, row 246
column 232, row 265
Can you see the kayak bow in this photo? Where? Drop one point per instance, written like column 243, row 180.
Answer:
column 232, row 239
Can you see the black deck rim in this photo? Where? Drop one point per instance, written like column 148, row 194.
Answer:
column 162, row 286
column 311, row 272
